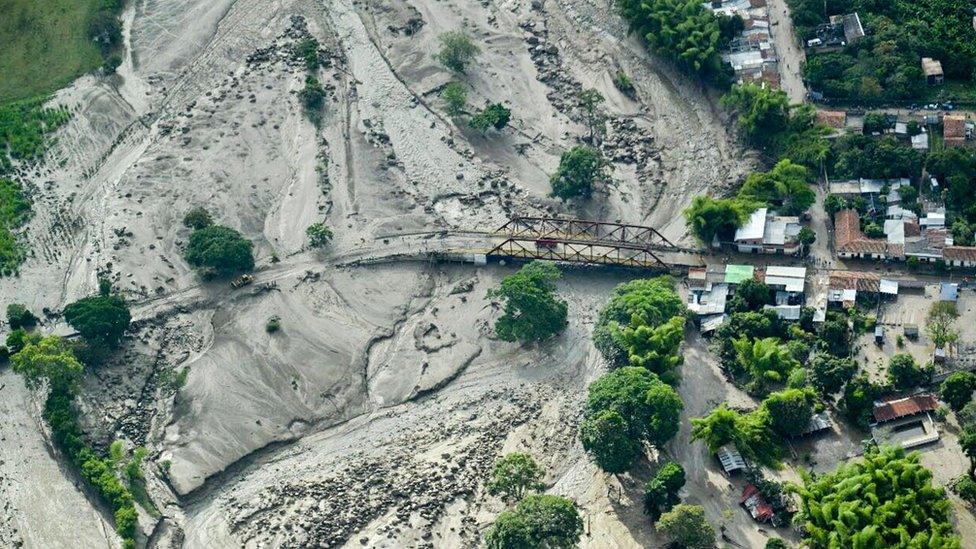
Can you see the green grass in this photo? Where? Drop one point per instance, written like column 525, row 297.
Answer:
column 44, row 45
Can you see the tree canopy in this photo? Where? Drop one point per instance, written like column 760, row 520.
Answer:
column 751, row 433
column 532, row 312
column 957, row 389
column 904, row 373
column 886, row 499
column 786, row 188
column 457, row 50
column 513, row 475
column 634, row 401
column 220, row 250
column 790, row 410
column 47, row 358
column 765, row 361
column 685, row 525
column 709, row 217
column 494, row 115
column 682, row 31
column 661, row 492
column 101, row 320
column 579, row 168
column 649, row 302
column 539, row 521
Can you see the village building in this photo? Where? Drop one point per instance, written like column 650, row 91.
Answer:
column 851, row 243
column 905, row 421
column 835, row 120
column 768, row 233
column 959, row 256
column 731, row 459
column 758, row 507
column 932, row 68
column 954, row 130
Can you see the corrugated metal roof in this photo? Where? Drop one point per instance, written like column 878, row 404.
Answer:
column 753, row 229
column 902, row 407
column 735, row 274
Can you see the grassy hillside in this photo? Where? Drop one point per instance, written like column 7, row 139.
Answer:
column 44, row 45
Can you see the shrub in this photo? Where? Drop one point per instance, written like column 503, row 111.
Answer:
column 455, row 96
column 273, row 325
column 319, row 235
column 307, row 50
column 457, row 50
column 16, row 340
column 197, row 218
column 661, row 492
column 19, row 317
column 494, row 115
column 965, row 487
column 221, row 250
column 312, row 97
column 623, row 83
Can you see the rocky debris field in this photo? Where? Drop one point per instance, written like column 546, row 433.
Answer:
column 374, row 414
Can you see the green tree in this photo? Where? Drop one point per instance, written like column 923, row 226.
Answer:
column 886, row 499
column 645, row 302
column 19, row 317
column 101, row 320
column 790, row 411
column 682, row 31
column 750, row 433
column 655, row 348
column 532, row 312
column 455, row 97
column 807, row 237
column 539, row 521
column 967, row 441
column 219, row 250
column 776, row 543
column 307, row 51
column 197, row 218
column 957, row 389
column 651, row 408
column 904, row 373
column 16, row 340
column 606, row 436
column 764, row 360
column 875, row 122
column 763, row 111
column 708, row 217
column 457, row 50
column 661, row 492
column 589, row 102
column 685, row 526
column 513, row 475
column 319, row 235
column 47, row 358
column 941, row 325
column 579, row 168
column 834, row 204
column 829, row 373
column 835, row 334
column 858, row 400
column 494, row 115
column 786, row 187
column 751, row 295
column 312, row 97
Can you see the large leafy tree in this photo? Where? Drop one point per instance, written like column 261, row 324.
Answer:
column 709, row 217
column 220, row 250
column 790, row 410
column 539, row 521
column 885, row 499
column 685, row 525
column 532, row 312
column 579, row 169
column 904, row 373
column 957, row 389
column 647, row 302
column 858, row 400
column 661, row 492
column 680, row 30
column 764, row 360
column 829, row 373
column 786, row 187
column 649, row 408
column 101, row 320
column 655, row 348
column 47, row 358
column 750, row 433
column 606, row 436
column 513, row 475
column 941, row 325
column 764, row 112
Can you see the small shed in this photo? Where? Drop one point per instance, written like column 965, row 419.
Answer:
column 933, row 71
column 731, row 459
column 879, row 335
column 911, row 330
column 758, row 507
column 948, row 292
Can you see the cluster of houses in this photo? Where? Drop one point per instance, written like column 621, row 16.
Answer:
column 838, row 33
column 711, row 287
column 907, row 236
column 956, row 129
column 750, row 54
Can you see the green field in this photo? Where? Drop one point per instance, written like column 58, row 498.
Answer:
column 44, row 45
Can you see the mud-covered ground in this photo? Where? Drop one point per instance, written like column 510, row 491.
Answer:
column 372, row 417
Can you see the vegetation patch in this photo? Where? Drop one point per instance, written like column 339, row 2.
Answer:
column 14, row 211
